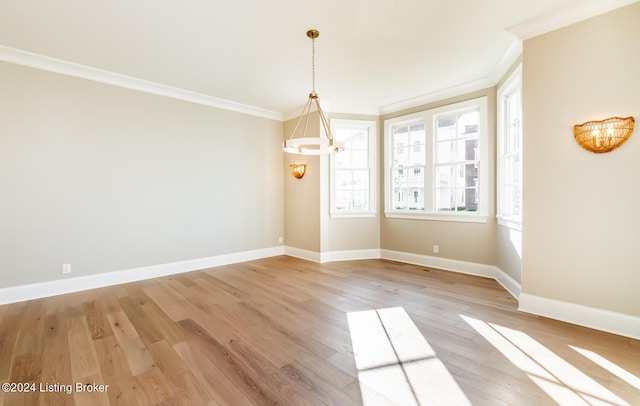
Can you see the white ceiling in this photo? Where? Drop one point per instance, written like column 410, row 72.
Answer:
column 371, row 56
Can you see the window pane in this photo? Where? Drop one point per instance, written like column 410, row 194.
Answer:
column 416, row 143
column 415, row 198
column 359, row 140
column 360, row 200
column 344, row 135
column 350, row 180
column 399, row 201
column 517, row 170
column 359, row 159
column 360, row 180
column 468, row 123
column 399, row 177
column 445, row 176
column 445, row 151
column 342, row 199
column 440, row 149
column 344, row 179
column 470, row 201
column 510, row 142
column 446, row 127
column 445, row 199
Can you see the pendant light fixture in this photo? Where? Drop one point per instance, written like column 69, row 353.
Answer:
column 312, row 145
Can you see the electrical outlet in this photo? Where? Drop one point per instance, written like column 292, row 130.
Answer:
column 436, row 249
column 280, row 240
column 66, row 268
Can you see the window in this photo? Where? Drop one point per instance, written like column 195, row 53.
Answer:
column 410, row 182
column 510, row 151
column 353, row 171
column 443, row 175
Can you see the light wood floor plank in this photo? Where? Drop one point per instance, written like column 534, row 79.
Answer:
column 277, row 331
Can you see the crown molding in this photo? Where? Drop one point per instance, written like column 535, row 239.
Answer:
column 565, row 16
column 505, row 63
column 33, row 60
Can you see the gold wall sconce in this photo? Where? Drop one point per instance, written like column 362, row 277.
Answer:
column 298, row 170
column 604, row 135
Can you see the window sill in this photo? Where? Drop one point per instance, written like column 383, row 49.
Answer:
column 464, row 218
column 352, row 215
column 509, row 223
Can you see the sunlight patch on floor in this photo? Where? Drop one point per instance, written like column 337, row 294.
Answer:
column 396, row 364
column 598, row 359
column 563, row 382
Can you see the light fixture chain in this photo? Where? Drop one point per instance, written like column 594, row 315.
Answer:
column 313, row 65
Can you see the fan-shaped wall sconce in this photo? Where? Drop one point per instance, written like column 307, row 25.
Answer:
column 604, row 135
column 298, row 170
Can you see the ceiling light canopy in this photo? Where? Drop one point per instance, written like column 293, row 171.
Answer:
column 312, row 145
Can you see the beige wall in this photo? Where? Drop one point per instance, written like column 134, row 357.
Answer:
column 509, row 252
column 302, row 196
column 472, row 242
column 581, row 218
column 308, row 224
column 107, row 179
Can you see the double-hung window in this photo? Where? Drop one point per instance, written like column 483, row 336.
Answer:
column 510, row 151
column 353, row 176
column 435, row 163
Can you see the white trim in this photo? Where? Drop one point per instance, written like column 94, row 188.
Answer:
column 567, row 15
column 599, row 319
column 69, row 285
column 429, row 117
column 509, row 223
column 511, row 285
column 436, row 216
column 353, row 215
column 332, row 108
column 46, row 63
column 604, row 320
column 510, row 85
column 454, row 265
column 439, row 95
column 372, row 153
column 509, row 57
column 350, row 255
column 312, row 256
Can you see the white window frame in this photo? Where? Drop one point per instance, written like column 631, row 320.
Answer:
column 429, row 118
column 370, row 127
column 512, row 84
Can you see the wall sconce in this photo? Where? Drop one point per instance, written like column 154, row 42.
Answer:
column 298, row 170
column 605, row 135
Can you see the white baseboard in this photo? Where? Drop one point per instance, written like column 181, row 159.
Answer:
column 612, row 322
column 302, row 254
column 471, row 268
column 68, row 285
column 511, row 285
column 599, row 319
column 353, row 255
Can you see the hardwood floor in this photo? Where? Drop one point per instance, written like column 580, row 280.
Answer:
column 283, row 331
